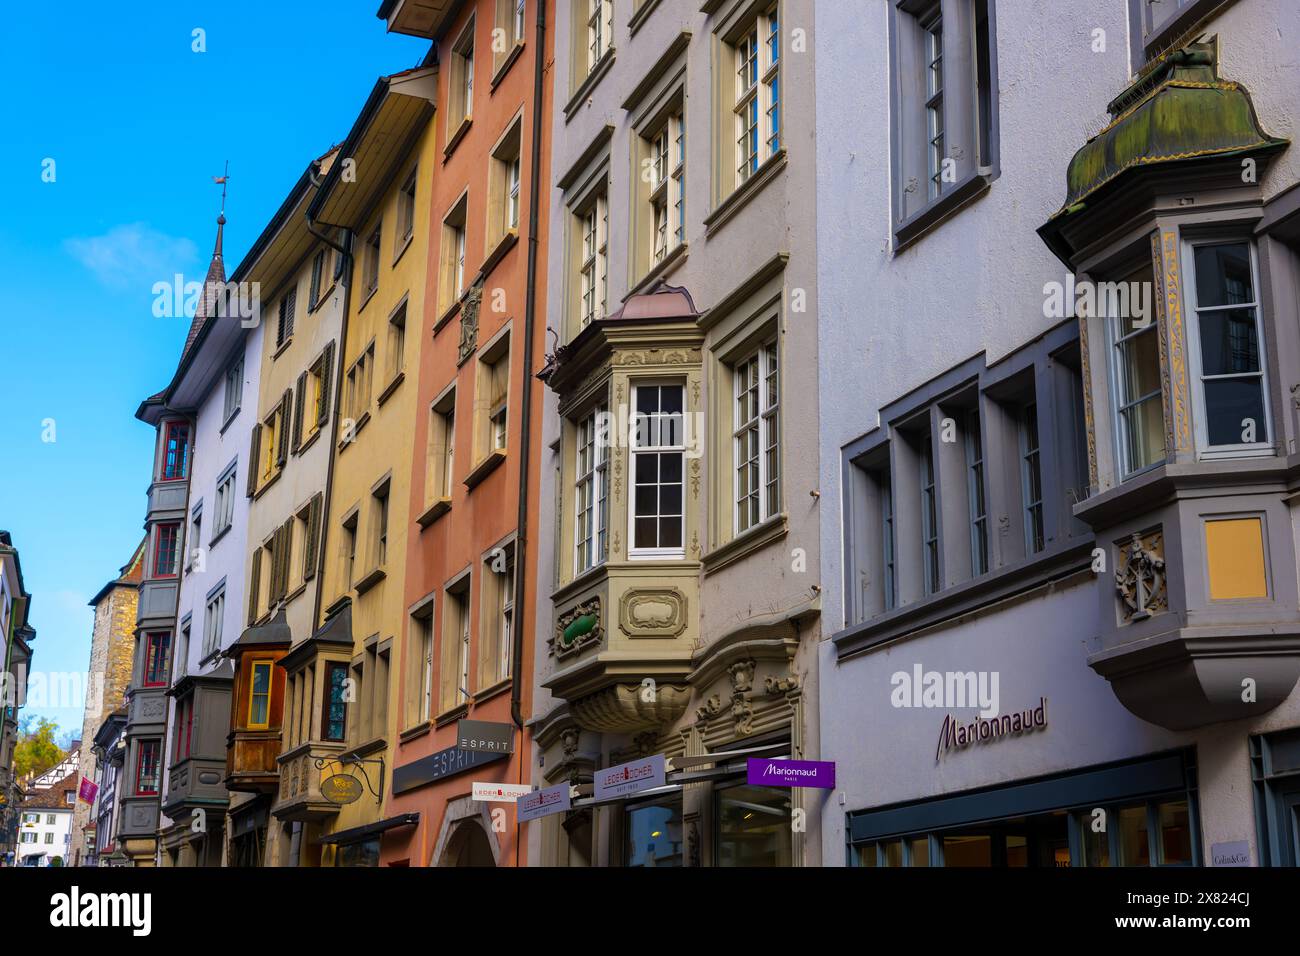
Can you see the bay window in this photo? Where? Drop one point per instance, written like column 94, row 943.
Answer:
column 1135, row 353
column 334, row 716
column 147, row 766
column 658, row 459
column 592, row 490
column 157, row 649
column 176, row 451
column 166, row 555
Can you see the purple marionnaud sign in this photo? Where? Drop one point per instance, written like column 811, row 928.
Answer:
column 765, row 772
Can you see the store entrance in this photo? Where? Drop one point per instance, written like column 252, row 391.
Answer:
column 1040, row 840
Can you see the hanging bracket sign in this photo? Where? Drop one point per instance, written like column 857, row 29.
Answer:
column 542, row 803
column 341, row 788
column 628, row 778
column 499, row 792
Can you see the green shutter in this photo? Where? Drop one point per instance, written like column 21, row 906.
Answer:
column 282, row 432
column 254, row 580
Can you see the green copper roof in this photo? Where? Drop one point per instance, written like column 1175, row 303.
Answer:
column 1177, row 109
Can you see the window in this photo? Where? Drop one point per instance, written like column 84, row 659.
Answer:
column 453, row 687
column 503, row 187
column 509, row 32
column 212, row 618
column 933, row 30
column 167, row 542
column 147, row 767
column 888, row 558
column 600, row 31
column 460, row 105
column 452, row 279
column 1031, row 478
column 1155, row 24
column 757, row 98
column 592, row 490
column 753, row 827
column 929, row 515
column 756, row 438
column 183, row 647
column 1228, row 366
column 498, row 602
column 349, row 549
column 653, row 833
column 273, row 437
column 406, row 208
column 284, row 320
column 370, row 274
column 440, row 462
column 184, row 727
column 224, row 511
column 69, row 798
column 593, row 261
column 492, row 387
column 176, row 451
column 234, row 389
column 192, row 546
column 317, row 391
column 321, row 277
column 259, row 695
column 359, row 382
column 1140, row 426
column 396, row 347
column 979, row 520
column 334, row 717
column 658, row 457
column 379, row 509
column 665, row 170
column 422, row 662
column 309, row 519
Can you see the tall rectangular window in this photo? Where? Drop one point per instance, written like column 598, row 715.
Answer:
column 225, row 504
column 442, row 447
column 156, row 653
column 934, row 124
column 1136, row 359
column 757, row 98
column 406, row 207
column 591, row 496
column 979, row 520
column 370, row 264
column 593, row 263
column 396, row 345
column 668, row 187
column 423, row 660
column 600, row 30
column 452, row 255
column 285, row 316
column 259, row 695
column 321, row 278
column 658, row 458
column 167, row 542
column 498, row 598
column 234, row 389
column 492, row 398
column 461, row 87
column 503, row 186
column 888, row 561
column 176, row 451
column 453, row 688
column 334, row 715
column 212, row 626
column 929, row 517
column 380, row 508
column 1228, row 360
column 1032, row 478
column 350, row 549
column 756, row 438
column 147, row 767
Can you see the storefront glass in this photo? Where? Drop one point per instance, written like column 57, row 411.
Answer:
column 754, row 826
column 365, row 853
column 654, row 834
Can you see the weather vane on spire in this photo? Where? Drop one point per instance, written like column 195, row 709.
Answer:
column 222, row 180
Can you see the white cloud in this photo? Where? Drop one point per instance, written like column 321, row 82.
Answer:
column 132, row 254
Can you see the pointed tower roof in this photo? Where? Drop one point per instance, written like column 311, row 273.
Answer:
column 212, row 286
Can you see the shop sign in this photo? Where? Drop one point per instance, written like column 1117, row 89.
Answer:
column 485, row 736
column 499, row 792
column 1236, row 853
column 88, row 790
column 341, row 788
column 955, row 735
column 766, row 772
column 542, row 803
column 444, row 763
column 628, row 778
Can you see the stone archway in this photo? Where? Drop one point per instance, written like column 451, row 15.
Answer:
column 466, row 837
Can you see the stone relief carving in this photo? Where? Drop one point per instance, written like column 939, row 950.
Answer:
column 1140, row 577
column 653, row 612
column 469, row 310
column 781, row 685
column 562, row 646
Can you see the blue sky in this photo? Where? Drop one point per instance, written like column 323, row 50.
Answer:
column 137, row 124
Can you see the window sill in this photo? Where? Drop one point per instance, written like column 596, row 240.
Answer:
column 503, row 246
column 454, row 139
column 500, row 73
column 484, row 468
column 641, row 15
column 263, row 485
column 661, row 269
column 391, row 387
column 212, row 542
column 496, row 690
column 746, row 543
column 450, row 313
column 401, row 250
column 309, row 441
column 373, row 745
column 282, row 348
column 587, row 85
column 451, row 716
column 742, row 195
column 369, row 581
column 324, row 294
column 434, row 512
column 226, row 424
column 347, row 440
column 294, row 594
column 948, row 204
column 580, row 582
column 366, row 297
column 415, row 732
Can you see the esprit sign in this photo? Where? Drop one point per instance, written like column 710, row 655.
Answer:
column 766, row 772
column 632, row 777
column 954, row 735
column 542, row 803
column 483, row 736
column 499, row 792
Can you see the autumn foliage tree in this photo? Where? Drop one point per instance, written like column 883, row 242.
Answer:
column 37, row 750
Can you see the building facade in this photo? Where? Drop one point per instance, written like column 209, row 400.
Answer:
column 1063, row 626
column 18, row 635
column 110, row 762
column 681, row 586
column 463, row 651
column 45, row 831
column 109, row 672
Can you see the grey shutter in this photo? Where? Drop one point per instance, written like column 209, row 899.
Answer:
column 312, row 544
column 299, row 408
column 326, row 383
column 290, row 304
column 254, row 581
column 253, row 454
column 282, row 435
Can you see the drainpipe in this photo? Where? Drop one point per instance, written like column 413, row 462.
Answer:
column 526, row 408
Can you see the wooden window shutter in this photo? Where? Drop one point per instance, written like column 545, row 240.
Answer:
column 299, row 408
column 253, row 454
column 312, row 544
column 290, row 304
column 282, row 433
column 326, row 381
column 254, row 581
column 282, row 552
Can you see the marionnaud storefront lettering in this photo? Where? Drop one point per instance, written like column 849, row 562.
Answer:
column 542, row 803
column 955, row 735
column 632, row 777
column 766, row 772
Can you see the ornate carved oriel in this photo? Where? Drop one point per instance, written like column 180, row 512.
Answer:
column 1140, row 577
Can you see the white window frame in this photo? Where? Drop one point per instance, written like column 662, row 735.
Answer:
column 234, row 389
column 600, row 32
column 1206, row 451
column 1028, row 412
column 656, row 553
column 1119, row 401
column 593, row 263
column 591, row 488
column 756, row 99
column 213, row 613
column 766, row 426
column 668, row 187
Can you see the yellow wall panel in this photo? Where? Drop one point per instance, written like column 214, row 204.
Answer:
column 1235, row 551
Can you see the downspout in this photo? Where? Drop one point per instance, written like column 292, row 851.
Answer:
column 526, row 407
